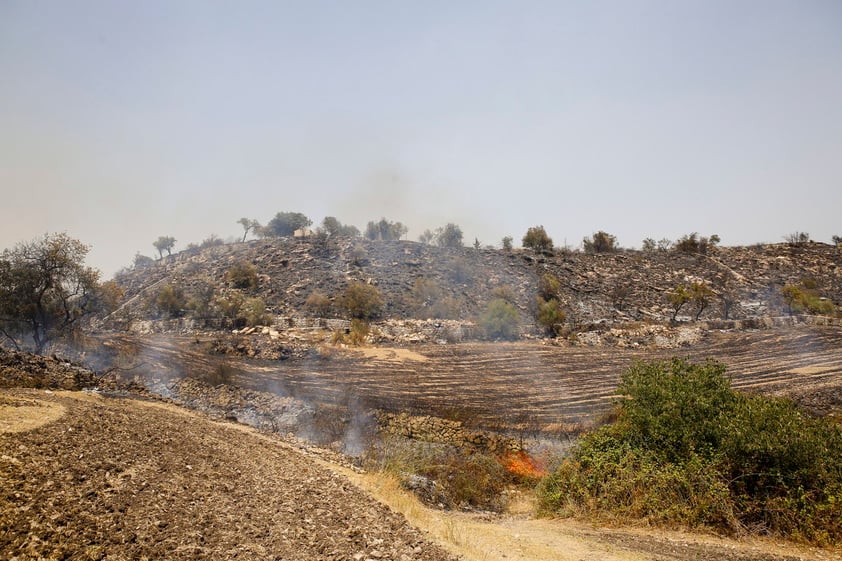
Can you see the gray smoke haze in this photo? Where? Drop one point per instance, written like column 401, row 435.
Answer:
column 122, row 122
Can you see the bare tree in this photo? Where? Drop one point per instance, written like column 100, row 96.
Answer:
column 248, row 225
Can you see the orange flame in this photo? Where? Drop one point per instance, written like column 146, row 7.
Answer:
column 523, row 465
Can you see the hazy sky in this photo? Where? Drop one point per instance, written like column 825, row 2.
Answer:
column 121, row 121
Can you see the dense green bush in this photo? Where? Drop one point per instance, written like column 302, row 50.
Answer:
column 170, row 301
column 549, row 286
column 499, row 320
column 550, row 316
column 253, row 311
column 537, row 238
column 361, row 301
column 687, row 449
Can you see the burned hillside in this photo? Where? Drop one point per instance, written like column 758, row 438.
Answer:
column 306, row 279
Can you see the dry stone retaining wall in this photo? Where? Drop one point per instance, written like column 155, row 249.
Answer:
column 436, row 429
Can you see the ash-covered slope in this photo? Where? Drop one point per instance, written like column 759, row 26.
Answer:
column 421, row 281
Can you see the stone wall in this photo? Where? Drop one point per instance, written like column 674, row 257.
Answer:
column 436, row 429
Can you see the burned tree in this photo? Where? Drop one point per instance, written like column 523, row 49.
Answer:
column 249, row 225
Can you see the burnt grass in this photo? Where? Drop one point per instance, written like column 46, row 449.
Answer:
column 529, row 385
column 595, row 289
column 524, row 387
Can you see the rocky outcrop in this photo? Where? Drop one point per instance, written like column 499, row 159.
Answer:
column 258, row 409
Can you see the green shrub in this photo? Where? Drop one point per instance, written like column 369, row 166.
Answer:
column 253, row 311
column 549, row 286
column 611, row 479
column 359, row 332
column 170, row 301
column 806, row 298
column 361, row 301
column 550, row 316
column 687, row 449
column 242, row 275
column 500, row 320
column 230, row 304
column 600, row 242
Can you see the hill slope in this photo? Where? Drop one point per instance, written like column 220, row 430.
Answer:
column 595, row 289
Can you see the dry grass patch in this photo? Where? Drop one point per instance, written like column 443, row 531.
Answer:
column 22, row 414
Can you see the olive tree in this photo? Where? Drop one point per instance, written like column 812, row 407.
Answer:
column 537, row 238
column 600, row 242
column 385, row 230
column 284, row 224
column 449, row 235
column 164, row 243
column 45, row 289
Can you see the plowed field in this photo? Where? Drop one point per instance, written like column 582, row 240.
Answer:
column 518, row 384
column 106, row 478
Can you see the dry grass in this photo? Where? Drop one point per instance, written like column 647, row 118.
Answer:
column 486, row 538
column 21, row 414
column 517, row 536
column 395, row 354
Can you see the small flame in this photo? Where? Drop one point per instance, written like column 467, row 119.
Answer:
column 524, row 466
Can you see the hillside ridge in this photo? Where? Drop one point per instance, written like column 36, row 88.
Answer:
column 596, row 290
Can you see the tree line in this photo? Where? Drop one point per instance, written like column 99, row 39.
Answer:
column 297, row 224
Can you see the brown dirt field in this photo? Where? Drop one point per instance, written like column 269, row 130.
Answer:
column 114, row 478
column 525, row 384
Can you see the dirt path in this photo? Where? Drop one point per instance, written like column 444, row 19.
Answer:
column 106, row 478
column 521, row 537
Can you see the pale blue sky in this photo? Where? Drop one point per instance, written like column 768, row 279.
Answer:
column 122, row 121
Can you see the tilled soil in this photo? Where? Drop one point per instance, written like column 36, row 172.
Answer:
column 120, row 478
column 541, row 386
